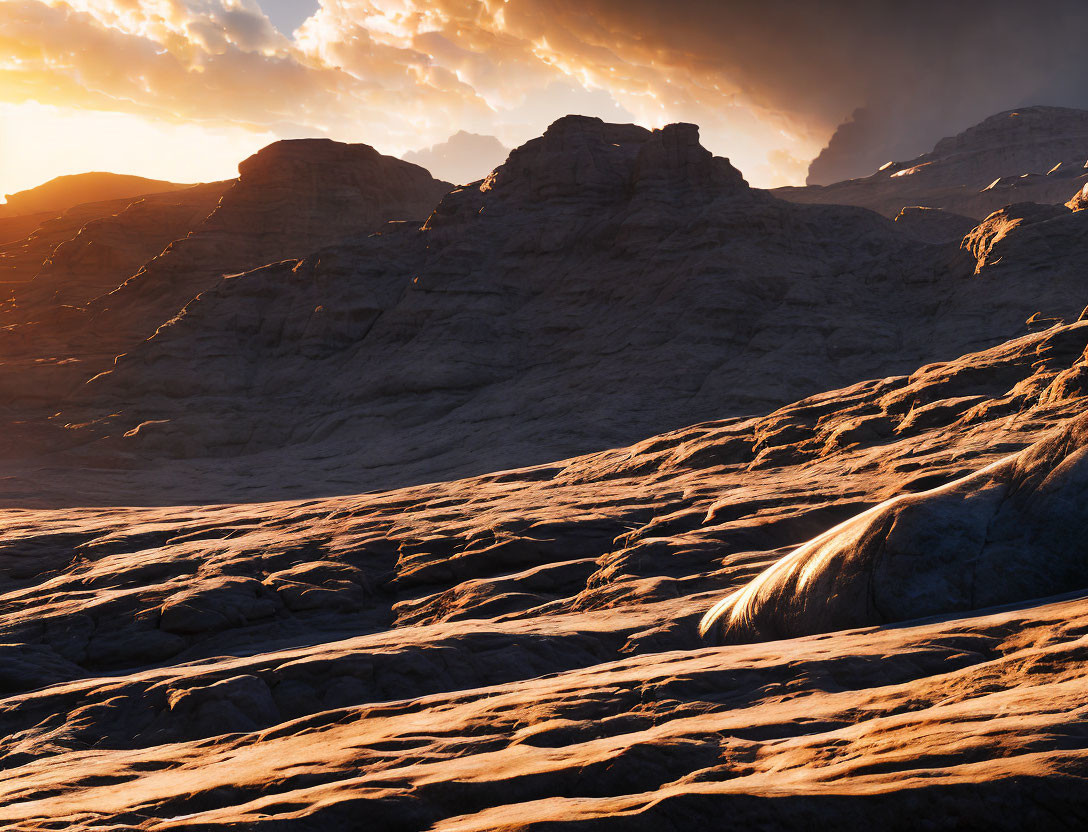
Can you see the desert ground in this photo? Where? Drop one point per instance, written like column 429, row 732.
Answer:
column 606, row 492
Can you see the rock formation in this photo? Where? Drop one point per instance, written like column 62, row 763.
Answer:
column 594, row 249
column 291, row 198
column 520, row 648
column 1034, row 154
column 1010, row 532
column 64, row 192
column 615, row 385
column 107, row 284
column 85, row 252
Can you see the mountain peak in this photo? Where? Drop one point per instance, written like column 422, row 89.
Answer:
column 584, row 158
column 464, row 157
column 63, row 192
column 303, row 153
column 327, row 186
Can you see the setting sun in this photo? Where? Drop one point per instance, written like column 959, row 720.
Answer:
column 38, row 142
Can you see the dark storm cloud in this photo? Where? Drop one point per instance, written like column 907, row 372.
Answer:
column 917, row 70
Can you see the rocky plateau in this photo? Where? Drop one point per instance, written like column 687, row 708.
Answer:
column 605, row 492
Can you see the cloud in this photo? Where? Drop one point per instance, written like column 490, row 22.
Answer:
column 768, row 81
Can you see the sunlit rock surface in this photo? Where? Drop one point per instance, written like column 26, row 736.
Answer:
column 520, row 650
column 1011, row 531
column 416, row 532
column 65, row 192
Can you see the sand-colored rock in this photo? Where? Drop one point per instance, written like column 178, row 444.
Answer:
column 521, row 649
column 216, row 614
column 1012, row 531
column 291, row 198
column 65, row 192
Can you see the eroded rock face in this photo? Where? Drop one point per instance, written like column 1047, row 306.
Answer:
column 1035, row 154
column 291, row 198
column 594, row 249
column 934, row 225
column 583, row 159
column 104, row 250
column 1022, row 238
column 27, row 251
column 1080, row 201
column 1013, row 531
column 106, row 277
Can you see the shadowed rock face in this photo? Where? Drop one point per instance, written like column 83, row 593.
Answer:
column 584, row 160
column 24, row 255
column 934, row 225
column 1010, row 532
column 1035, row 154
column 593, row 250
column 106, row 276
column 1021, row 239
column 625, row 281
column 81, row 256
column 291, row 198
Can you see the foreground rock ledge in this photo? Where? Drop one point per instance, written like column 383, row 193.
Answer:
column 1014, row 530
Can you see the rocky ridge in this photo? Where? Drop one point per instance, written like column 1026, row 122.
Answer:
column 205, row 624
column 292, row 197
column 107, row 284
column 62, row 193
column 405, row 350
column 1033, row 154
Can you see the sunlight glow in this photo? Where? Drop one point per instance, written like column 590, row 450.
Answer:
column 39, row 142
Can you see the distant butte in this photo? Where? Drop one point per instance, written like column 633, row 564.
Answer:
column 58, row 195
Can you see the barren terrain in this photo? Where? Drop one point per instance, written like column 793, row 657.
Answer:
column 607, row 492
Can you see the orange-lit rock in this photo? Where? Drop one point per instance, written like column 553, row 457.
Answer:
column 414, row 528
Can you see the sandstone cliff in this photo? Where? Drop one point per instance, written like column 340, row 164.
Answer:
column 624, row 282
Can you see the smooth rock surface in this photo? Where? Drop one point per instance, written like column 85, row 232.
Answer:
column 1014, row 530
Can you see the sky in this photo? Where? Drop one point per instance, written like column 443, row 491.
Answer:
column 184, row 89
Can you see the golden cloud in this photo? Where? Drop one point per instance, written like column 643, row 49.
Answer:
column 767, row 81
column 399, row 74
